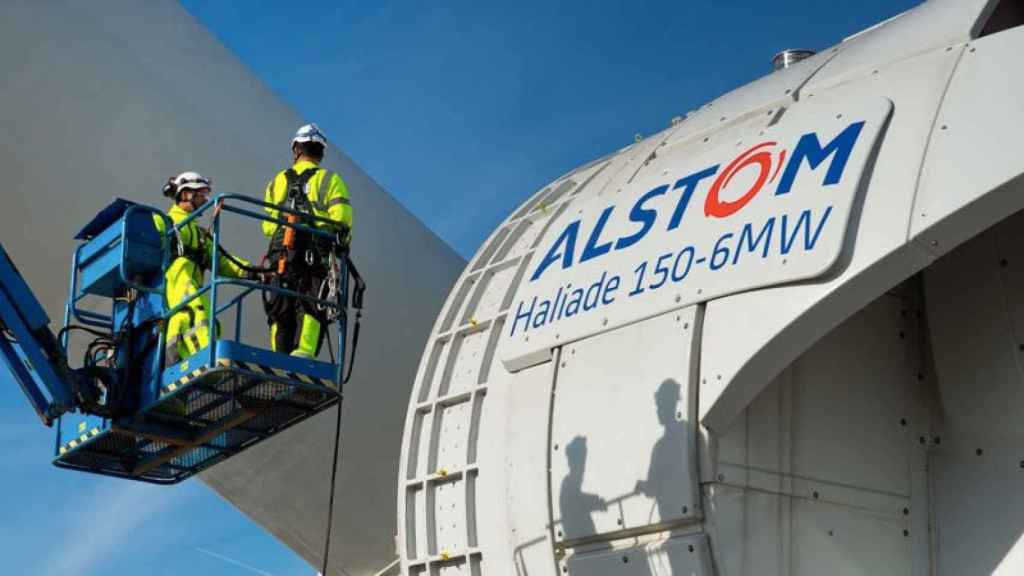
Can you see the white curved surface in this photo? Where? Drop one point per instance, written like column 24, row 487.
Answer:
column 816, row 403
column 94, row 108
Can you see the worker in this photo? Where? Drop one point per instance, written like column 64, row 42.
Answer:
column 303, row 263
column 191, row 253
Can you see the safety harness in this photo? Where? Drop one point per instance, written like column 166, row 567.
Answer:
column 301, row 261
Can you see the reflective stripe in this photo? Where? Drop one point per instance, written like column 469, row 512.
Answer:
column 314, row 198
column 189, row 335
column 336, row 201
column 323, row 188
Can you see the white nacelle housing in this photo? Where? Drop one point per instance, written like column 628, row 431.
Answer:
column 781, row 337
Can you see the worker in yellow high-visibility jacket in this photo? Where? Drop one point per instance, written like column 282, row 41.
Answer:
column 191, row 249
column 296, row 325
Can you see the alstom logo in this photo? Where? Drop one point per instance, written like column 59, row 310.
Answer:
column 767, row 158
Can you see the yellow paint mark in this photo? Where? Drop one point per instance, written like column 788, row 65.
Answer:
column 73, row 443
column 81, row 426
column 94, row 431
column 63, row 450
column 184, row 366
column 442, row 472
column 445, row 555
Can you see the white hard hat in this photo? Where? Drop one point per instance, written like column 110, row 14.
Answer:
column 309, row 133
column 191, row 181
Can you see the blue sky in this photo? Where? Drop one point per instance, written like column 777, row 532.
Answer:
column 460, row 109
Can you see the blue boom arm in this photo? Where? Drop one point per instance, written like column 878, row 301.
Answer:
column 29, row 349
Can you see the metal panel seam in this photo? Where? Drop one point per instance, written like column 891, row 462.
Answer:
column 556, row 357
column 796, row 92
column 928, row 143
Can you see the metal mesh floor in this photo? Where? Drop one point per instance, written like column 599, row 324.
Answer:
column 205, row 421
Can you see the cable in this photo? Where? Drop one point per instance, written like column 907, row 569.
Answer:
column 243, row 265
column 334, row 478
column 330, row 345
column 71, row 327
column 355, row 344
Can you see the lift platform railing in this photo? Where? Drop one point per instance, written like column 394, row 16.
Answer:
column 227, row 392
column 213, row 287
column 221, row 203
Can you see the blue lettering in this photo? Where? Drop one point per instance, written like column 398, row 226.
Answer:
column 574, row 304
column 805, row 222
column 747, row 234
column 809, row 148
column 558, row 252
column 542, row 314
column 643, row 216
column 525, row 316
column 609, row 291
column 592, row 249
column 688, row 184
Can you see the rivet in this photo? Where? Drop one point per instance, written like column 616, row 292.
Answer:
column 679, row 298
column 556, row 448
column 945, row 127
column 619, row 521
column 604, row 322
column 721, row 477
column 625, row 559
column 685, row 509
column 903, row 421
column 816, row 494
column 690, row 548
column 934, row 243
column 686, row 326
column 921, row 440
column 937, row 440
column 973, row 49
column 906, row 533
column 788, row 91
column 679, row 416
column 1004, row 263
column 979, row 452
column 906, row 511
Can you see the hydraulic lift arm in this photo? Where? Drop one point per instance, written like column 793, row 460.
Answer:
column 29, row 349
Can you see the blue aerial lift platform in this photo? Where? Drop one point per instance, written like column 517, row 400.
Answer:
column 129, row 409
